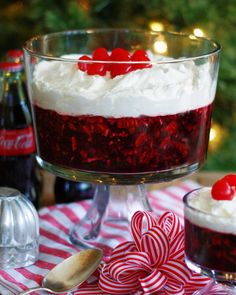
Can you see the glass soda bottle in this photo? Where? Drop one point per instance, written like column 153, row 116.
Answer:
column 17, row 55
column 17, row 145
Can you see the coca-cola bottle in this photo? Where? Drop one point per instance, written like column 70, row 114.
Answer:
column 67, row 191
column 17, row 55
column 17, row 145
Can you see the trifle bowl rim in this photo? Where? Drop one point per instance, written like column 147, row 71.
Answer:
column 28, row 45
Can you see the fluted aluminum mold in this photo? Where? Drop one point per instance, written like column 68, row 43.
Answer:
column 19, row 229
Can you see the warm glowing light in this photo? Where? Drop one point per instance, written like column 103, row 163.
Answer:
column 213, row 134
column 198, row 32
column 160, row 46
column 216, row 137
column 156, row 26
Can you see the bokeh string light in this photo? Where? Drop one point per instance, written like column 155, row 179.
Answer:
column 160, row 46
column 156, row 26
column 198, row 32
column 216, row 137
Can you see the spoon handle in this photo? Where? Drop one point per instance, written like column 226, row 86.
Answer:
column 35, row 289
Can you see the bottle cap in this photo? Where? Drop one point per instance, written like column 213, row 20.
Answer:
column 10, row 66
column 15, row 53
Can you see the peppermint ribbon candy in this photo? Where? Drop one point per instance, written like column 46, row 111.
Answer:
column 154, row 262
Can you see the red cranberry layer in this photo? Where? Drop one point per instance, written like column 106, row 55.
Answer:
column 123, row 145
column 210, row 249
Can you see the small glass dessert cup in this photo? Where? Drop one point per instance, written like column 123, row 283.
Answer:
column 210, row 240
column 110, row 108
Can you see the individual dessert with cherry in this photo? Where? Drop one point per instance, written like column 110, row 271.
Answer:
column 210, row 229
column 122, row 112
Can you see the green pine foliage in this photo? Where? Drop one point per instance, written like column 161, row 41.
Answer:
column 20, row 20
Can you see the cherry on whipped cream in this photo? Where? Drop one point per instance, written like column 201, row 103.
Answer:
column 101, row 54
column 98, row 68
column 83, row 66
column 224, row 189
column 231, row 179
column 95, row 68
column 118, row 55
column 140, row 55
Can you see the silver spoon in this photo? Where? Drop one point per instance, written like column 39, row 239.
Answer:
column 70, row 273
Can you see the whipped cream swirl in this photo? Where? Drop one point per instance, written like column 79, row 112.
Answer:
column 163, row 89
column 217, row 215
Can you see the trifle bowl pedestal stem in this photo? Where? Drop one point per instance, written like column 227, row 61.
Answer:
column 108, row 218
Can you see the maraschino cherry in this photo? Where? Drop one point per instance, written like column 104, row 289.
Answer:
column 119, row 55
column 224, row 189
column 140, row 55
column 118, row 62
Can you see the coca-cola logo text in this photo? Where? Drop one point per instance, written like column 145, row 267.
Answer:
column 17, row 142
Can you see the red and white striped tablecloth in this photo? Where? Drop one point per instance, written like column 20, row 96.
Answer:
column 55, row 224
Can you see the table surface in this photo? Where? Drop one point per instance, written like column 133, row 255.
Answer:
column 54, row 245
column 57, row 221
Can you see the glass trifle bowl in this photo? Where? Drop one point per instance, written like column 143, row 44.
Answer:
column 113, row 107
column 210, row 239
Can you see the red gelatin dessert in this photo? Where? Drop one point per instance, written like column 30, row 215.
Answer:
column 123, row 145
column 210, row 229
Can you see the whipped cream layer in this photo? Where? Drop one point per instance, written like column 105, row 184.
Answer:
column 216, row 215
column 163, row 89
